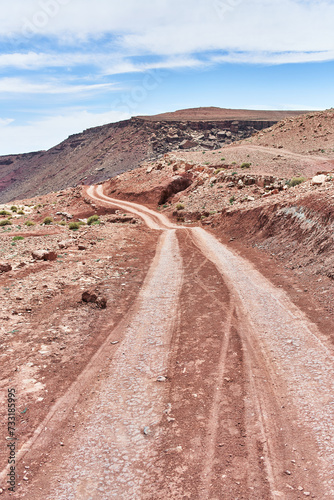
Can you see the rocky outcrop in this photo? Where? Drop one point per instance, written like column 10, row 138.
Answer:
column 100, row 153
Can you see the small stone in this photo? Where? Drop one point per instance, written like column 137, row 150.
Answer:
column 147, row 431
column 300, row 488
column 161, row 379
column 101, row 302
column 5, row 268
column 288, row 473
column 115, row 342
column 89, row 297
column 307, row 493
column 61, row 444
column 25, row 478
column 82, row 247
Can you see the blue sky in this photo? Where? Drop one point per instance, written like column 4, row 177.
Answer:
column 66, row 65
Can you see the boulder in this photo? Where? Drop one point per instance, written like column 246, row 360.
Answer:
column 187, row 144
column 44, row 255
column 318, row 180
column 5, row 267
column 65, row 243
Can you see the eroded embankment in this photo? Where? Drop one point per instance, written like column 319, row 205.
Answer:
column 299, row 233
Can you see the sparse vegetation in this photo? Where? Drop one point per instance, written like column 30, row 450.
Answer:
column 179, row 206
column 296, row 180
column 94, row 219
column 20, row 212
column 232, row 200
column 3, row 212
column 216, row 172
column 47, row 221
column 5, row 222
column 18, row 238
column 74, row 226
column 13, row 208
column 29, row 223
column 245, row 165
column 222, row 159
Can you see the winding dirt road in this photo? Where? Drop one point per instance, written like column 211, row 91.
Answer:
column 220, row 389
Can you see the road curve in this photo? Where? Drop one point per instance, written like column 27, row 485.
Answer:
column 245, row 405
column 286, row 361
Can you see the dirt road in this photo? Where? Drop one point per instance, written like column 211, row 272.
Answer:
column 221, row 388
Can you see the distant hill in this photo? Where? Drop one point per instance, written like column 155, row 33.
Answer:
column 103, row 152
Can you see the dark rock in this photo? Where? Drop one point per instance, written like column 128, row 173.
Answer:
column 5, row 267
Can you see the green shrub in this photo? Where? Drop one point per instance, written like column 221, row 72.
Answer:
column 47, row 221
column 74, row 226
column 245, row 165
column 29, row 223
column 222, row 159
column 5, row 222
column 20, row 212
column 93, row 219
column 3, row 212
column 232, row 200
column 13, row 208
column 216, row 172
column 179, row 206
column 296, row 180
column 18, row 238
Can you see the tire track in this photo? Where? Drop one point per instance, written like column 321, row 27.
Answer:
column 125, row 414
column 289, row 372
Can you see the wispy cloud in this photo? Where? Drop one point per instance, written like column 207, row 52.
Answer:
column 22, row 86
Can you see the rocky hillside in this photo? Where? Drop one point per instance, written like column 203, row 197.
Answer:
column 103, row 152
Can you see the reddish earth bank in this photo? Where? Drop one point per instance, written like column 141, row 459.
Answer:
column 181, row 344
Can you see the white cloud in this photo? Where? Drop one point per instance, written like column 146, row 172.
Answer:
column 171, row 27
column 48, row 132
column 273, row 58
column 22, row 86
column 5, row 121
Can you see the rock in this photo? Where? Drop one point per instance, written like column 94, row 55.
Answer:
column 82, row 247
column 64, row 243
column 240, row 184
column 149, row 170
column 147, row 431
column 187, row 144
column 250, row 198
column 161, row 379
column 4, row 267
column 44, row 255
column 65, row 214
column 101, row 302
column 94, row 298
column 89, row 297
column 318, row 180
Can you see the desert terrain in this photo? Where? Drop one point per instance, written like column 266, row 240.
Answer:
column 169, row 330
